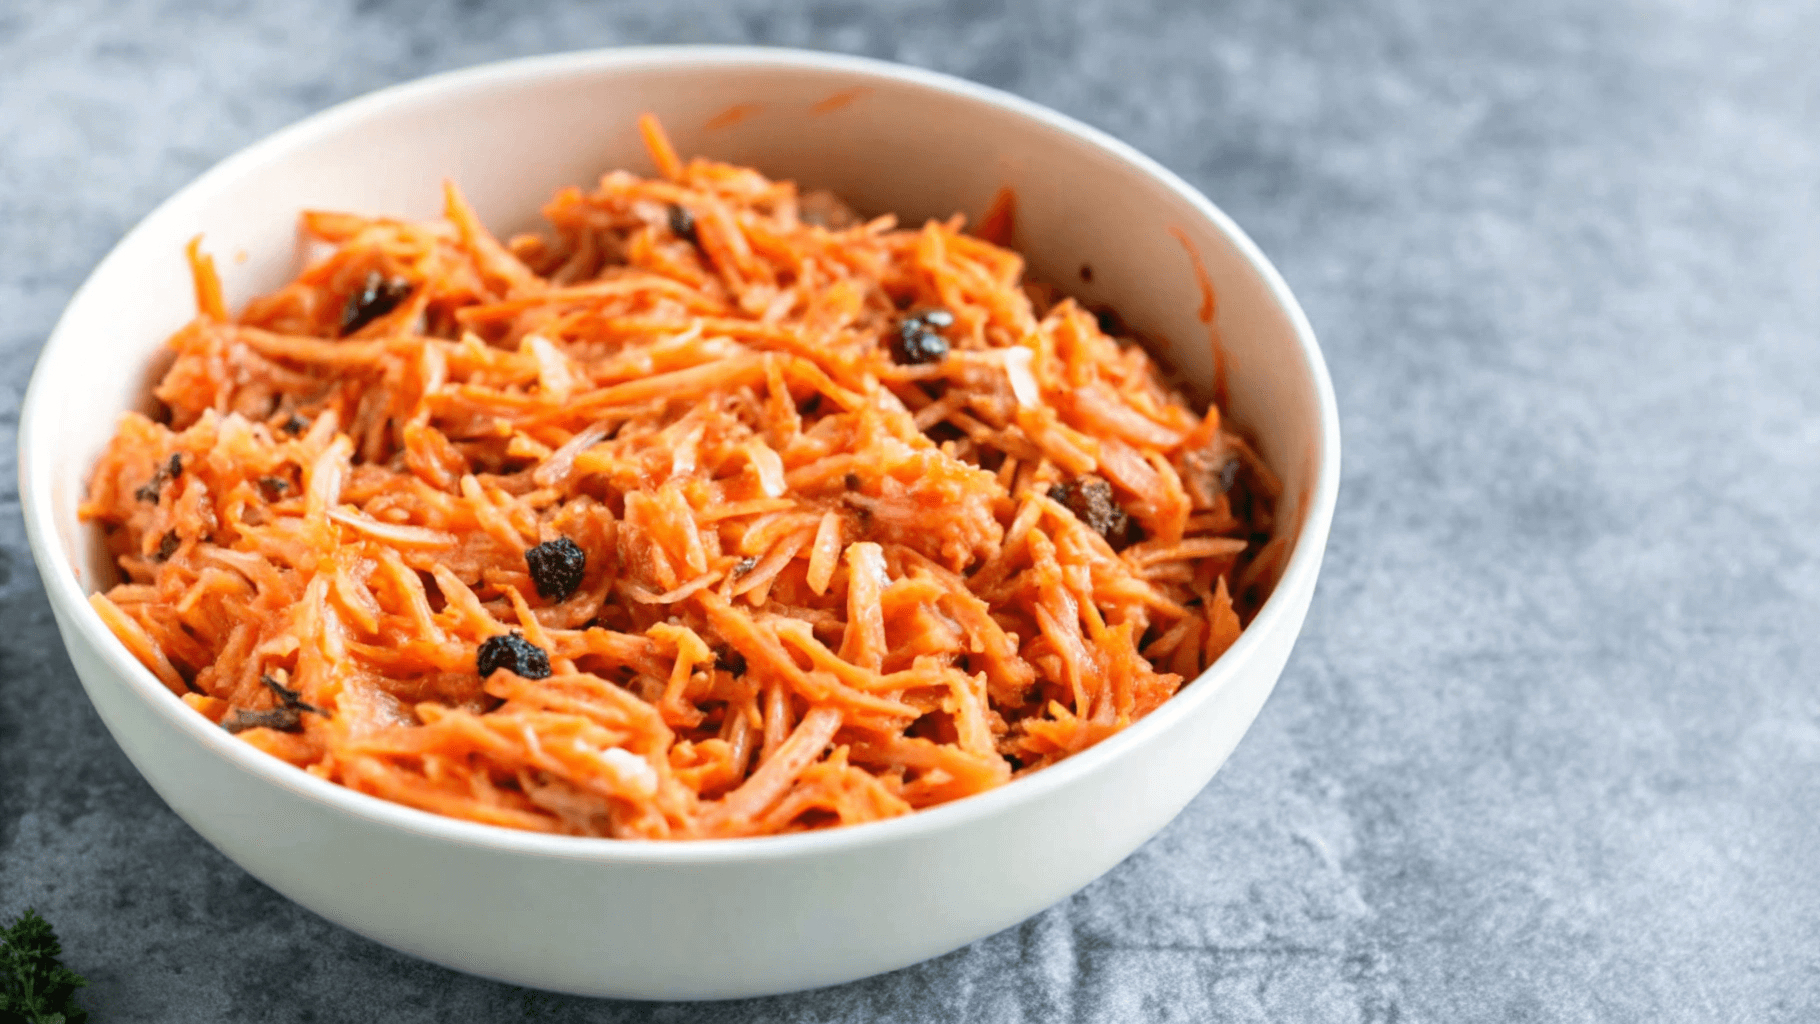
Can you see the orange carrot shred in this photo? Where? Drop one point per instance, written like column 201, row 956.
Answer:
column 209, row 302
column 1000, row 219
column 1201, row 278
column 658, row 144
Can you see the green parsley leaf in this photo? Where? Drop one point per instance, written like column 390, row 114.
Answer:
column 34, row 987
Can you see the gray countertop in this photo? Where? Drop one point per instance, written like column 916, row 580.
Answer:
column 1549, row 748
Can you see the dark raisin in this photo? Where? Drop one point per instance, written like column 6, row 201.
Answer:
column 513, row 653
column 290, row 698
column 682, row 224
column 557, row 567
column 730, row 661
column 169, row 545
column 852, row 481
column 174, row 468
column 1229, row 475
column 160, row 473
column 914, row 343
column 295, row 424
column 1087, row 273
column 282, row 719
column 1090, row 499
column 273, row 488
column 745, row 565
column 284, row 693
column 376, row 297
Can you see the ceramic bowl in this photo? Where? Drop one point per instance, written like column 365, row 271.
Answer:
column 716, row 918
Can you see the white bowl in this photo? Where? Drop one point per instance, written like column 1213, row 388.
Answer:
column 727, row 917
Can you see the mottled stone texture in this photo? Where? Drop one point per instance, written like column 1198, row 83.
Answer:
column 1549, row 748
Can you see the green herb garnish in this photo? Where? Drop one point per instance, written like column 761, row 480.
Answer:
column 34, row 987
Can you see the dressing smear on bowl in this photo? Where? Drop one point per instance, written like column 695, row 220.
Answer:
column 714, row 511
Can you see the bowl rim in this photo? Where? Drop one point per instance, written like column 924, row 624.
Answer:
column 69, row 597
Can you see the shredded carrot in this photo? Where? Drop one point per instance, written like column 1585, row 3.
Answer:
column 836, row 101
column 209, row 302
column 732, row 115
column 1209, row 306
column 760, row 517
column 1201, row 278
column 1000, row 219
column 662, row 153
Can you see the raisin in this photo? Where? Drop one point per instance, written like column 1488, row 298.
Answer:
column 682, row 224
column 916, row 343
column 1090, row 499
column 1087, row 273
column 745, row 565
column 160, row 473
column 557, row 567
column 289, row 698
column 852, row 481
column 281, row 719
column 168, row 545
column 295, row 424
column 513, row 653
column 376, row 297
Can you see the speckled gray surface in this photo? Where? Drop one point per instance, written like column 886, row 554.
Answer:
column 1549, row 749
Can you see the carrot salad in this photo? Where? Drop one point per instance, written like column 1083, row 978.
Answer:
column 713, row 511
